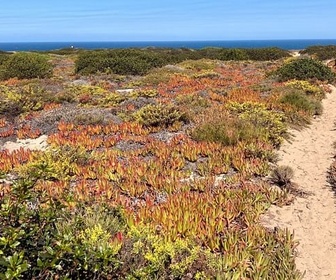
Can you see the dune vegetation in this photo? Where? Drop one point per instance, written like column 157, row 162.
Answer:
column 159, row 163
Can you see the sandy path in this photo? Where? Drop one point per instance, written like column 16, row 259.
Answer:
column 312, row 218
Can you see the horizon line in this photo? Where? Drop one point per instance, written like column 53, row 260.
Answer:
column 145, row 41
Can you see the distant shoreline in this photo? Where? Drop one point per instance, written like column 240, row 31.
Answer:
column 282, row 44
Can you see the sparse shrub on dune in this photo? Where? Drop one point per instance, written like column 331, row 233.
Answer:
column 201, row 64
column 282, row 175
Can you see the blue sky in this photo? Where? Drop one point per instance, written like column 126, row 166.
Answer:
column 146, row 20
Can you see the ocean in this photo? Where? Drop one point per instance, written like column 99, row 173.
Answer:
column 283, row 44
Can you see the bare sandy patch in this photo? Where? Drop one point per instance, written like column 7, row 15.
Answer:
column 39, row 143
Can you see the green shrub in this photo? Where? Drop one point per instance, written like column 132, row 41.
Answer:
column 4, row 56
column 259, row 54
column 233, row 54
column 86, row 243
column 26, row 230
column 305, row 69
column 26, row 66
column 141, row 61
column 264, row 54
column 122, row 62
column 321, row 52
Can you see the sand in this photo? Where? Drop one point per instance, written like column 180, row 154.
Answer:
column 39, row 143
column 312, row 218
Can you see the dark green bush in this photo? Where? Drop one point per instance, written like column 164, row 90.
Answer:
column 122, row 62
column 141, row 61
column 305, row 69
column 4, row 56
column 321, row 52
column 233, row 54
column 260, row 54
column 25, row 66
column 264, row 54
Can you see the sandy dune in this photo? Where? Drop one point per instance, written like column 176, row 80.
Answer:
column 312, row 218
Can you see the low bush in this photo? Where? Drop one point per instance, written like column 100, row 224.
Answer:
column 321, row 52
column 308, row 88
column 257, row 54
column 27, row 98
column 141, row 61
column 4, row 56
column 271, row 126
column 305, row 69
column 302, row 102
column 225, row 129
column 265, row 54
column 25, row 66
column 245, row 122
column 122, row 62
column 158, row 115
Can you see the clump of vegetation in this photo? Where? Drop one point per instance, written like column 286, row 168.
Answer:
column 140, row 62
column 245, row 122
column 226, row 130
column 265, row 54
column 27, row 98
column 158, row 115
column 308, row 88
column 88, row 119
column 198, row 65
column 271, row 125
column 305, row 69
column 282, row 175
column 302, row 102
column 256, row 54
column 4, row 56
column 25, row 66
column 321, row 52
column 122, row 62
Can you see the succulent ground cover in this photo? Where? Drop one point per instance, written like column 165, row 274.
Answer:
column 163, row 181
